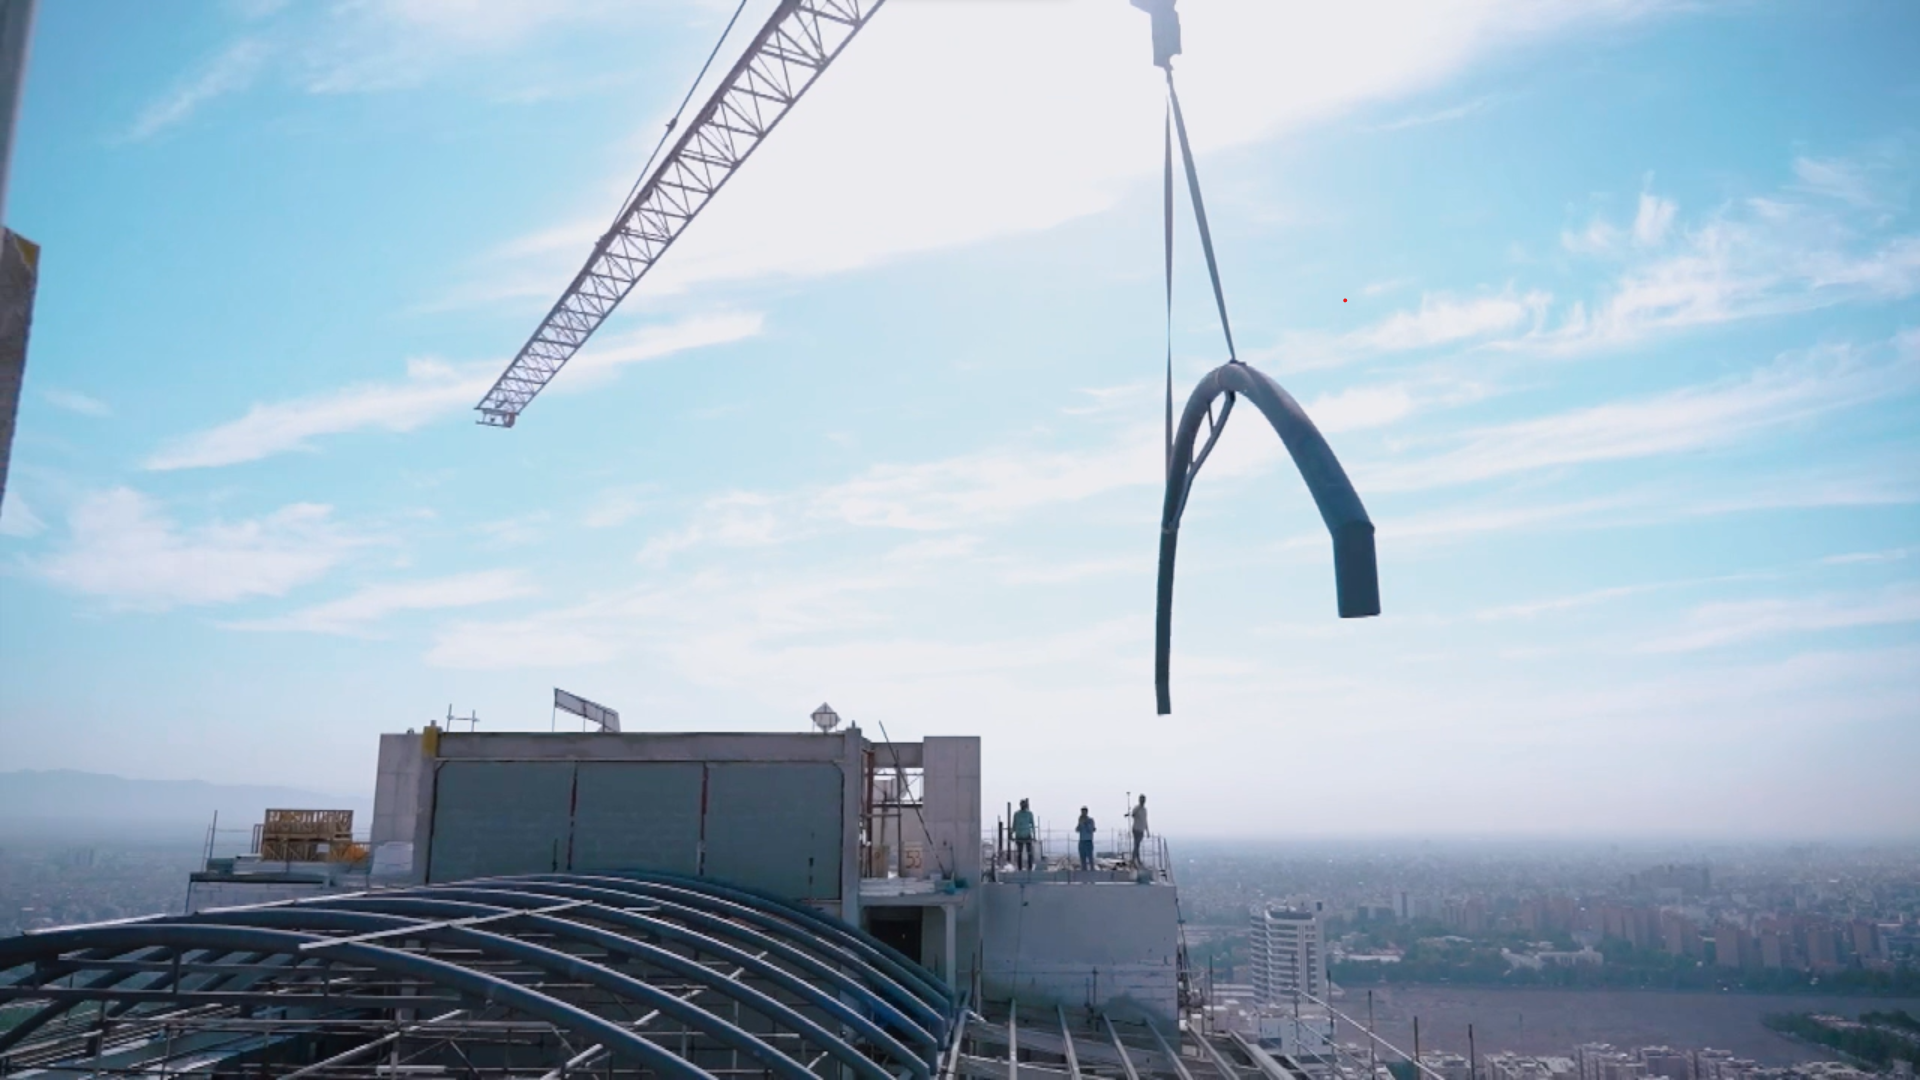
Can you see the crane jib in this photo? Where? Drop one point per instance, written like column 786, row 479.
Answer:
column 796, row 44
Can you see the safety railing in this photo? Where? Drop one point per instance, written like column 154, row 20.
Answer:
column 1056, row 854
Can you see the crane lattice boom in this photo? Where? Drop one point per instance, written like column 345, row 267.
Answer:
column 797, row 43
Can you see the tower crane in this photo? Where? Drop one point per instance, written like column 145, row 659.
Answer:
column 788, row 54
column 790, row 51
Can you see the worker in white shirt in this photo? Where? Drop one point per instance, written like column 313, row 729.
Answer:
column 1138, row 816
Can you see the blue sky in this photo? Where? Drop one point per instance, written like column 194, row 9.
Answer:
column 1608, row 308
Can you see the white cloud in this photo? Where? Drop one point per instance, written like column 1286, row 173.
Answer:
column 905, row 145
column 734, row 520
column 1598, row 238
column 1442, row 320
column 1654, row 218
column 1764, row 256
column 123, row 549
column 1714, row 625
column 1441, row 116
column 989, row 485
column 362, row 611
column 1686, row 419
column 1853, row 557
column 17, row 519
column 1361, row 407
column 618, row 505
column 1535, row 608
column 1836, row 178
column 233, row 70
column 432, row 390
column 75, row 402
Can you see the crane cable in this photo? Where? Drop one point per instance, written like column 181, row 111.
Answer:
column 1177, row 122
column 674, row 120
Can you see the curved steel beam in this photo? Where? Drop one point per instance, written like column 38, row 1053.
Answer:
column 1356, row 575
column 415, row 906
column 711, row 946
column 475, row 984
column 318, row 916
column 898, row 981
column 867, row 993
column 876, row 952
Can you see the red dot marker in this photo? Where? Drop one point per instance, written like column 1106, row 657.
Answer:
column 1343, row 299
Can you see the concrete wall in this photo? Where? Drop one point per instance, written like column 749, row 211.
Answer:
column 1110, row 945
column 396, row 790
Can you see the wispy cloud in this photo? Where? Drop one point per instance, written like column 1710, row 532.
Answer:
column 1440, row 116
column 1857, row 557
column 1766, row 256
column 75, row 402
column 618, row 505
column 1714, row 625
column 232, row 70
column 1361, row 407
column 123, row 549
column 360, row 613
column 1441, row 320
column 1253, row 71
column 1690, row 418
column 17, row 519
column 432, row 390
column 1654, row 218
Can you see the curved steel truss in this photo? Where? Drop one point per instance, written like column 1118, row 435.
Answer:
column 606, row 975
column 1356, row 576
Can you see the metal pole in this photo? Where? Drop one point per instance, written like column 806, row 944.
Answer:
column 1473, row 1058
column 1416, row 1044
column 1372, row 1068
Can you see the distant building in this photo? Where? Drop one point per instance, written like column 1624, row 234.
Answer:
column 1666, row 1061
column 1288, row 947
column 1729, row 946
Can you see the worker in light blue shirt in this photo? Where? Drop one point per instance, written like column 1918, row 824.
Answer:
column 1023, row 837
column 1085, row 828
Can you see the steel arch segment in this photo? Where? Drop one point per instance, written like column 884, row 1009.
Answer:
column 182, row 934
column 19, row 1032
column 868, row 995
column 870, row 951
column 668, row 931
column 931, row 1013
column 1356, row 571
column 878, row 951
column 412, row 905
column 322, row 916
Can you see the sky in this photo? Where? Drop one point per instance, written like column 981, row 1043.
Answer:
column 1608, row 308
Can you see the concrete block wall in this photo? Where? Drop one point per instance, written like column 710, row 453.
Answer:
column 1113, row 946
column 396, row 792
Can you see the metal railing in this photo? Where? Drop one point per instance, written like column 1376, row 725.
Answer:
column 1057, row 852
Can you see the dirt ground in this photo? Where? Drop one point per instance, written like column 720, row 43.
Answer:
column 1535, row 1021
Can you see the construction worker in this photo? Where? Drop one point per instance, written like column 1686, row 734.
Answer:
column 1085, row 828
column 1023, row 837
column 1138, row 816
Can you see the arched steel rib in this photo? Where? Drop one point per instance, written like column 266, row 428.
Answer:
column 667, row 931
column 905, row 994
column 879, row 998
column 232, row 938
column 767, row 906
column 1356, row 574
column 414, row 905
